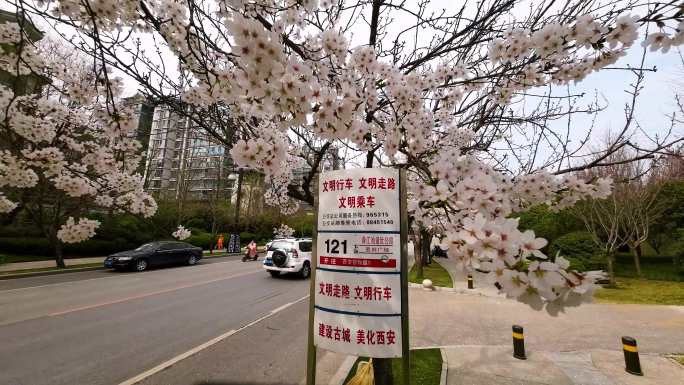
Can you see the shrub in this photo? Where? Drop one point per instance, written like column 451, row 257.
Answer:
column 246, row 237
column 97, row 247
column 25, row 245
column 201, row 239
column 579, row 248
column 41, row 247
column 548, row 224
column 20, row 230
column 198, row 223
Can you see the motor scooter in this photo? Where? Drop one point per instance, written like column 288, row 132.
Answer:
column 246, row 257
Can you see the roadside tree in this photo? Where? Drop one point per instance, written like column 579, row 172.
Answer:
column 67, row 150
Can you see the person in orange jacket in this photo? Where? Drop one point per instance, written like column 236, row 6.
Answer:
column 219, row 243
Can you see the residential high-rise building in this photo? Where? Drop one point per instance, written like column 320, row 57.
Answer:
column 144, row 109
column 184, row 162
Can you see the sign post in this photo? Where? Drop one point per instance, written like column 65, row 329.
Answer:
column 359, row 286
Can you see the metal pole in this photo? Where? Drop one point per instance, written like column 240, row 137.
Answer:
column 311, row 349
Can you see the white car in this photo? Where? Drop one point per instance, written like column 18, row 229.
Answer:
column 291, row 255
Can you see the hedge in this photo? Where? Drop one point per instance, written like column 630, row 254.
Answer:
column 40, row 246
column 25, row 245
column 201, row 239
column 579, row 248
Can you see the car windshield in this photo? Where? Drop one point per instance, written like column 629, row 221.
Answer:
column 287, row 245
column 147, row 247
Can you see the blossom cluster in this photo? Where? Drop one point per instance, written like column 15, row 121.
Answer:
column 663, row 41
column 181, row 233
column 283, row 231
column 512, row 260
column 471, row 203
column 6, row 205
column 74, row 232
column 24, row 62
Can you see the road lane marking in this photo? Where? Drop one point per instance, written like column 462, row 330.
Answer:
column 81, row 308
column 103, row 271
column 199, row 348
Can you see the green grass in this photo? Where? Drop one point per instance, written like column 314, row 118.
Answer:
column 426, row 367
column 642, row 291
column 679, row 359
column 68, row 268
column 654, row 271
column 434, row 272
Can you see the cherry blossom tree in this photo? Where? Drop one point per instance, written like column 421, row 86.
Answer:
column 66, row 150
column 465, row 96
column 466, row 99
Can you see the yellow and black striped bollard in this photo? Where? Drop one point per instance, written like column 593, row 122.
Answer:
column 470, row 281
column 632, row 365
column 518, row 343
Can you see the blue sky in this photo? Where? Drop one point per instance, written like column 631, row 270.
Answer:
column 656, row 100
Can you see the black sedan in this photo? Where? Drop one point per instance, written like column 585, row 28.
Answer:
column 155, row 254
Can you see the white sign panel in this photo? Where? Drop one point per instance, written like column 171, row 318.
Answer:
column 358, row 336
column 358, row 293
column 359, row 251
column 364, row 199
column 358, row 273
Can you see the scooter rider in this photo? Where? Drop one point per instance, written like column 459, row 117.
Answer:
column 251, row 252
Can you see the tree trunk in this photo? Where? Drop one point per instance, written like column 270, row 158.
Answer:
column 611, row 272
column 636, row 253
column 56, row 245
column 382, row 369
column 417, row 255
column 238, row 201
column 59, row 256
column 425, row 240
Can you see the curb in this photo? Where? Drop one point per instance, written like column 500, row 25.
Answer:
column 454, row 290
column 445, row 368
column 343, row 371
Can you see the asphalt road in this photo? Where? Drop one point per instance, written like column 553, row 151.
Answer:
column 103, row 327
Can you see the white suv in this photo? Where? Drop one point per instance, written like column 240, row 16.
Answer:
column 289, row 256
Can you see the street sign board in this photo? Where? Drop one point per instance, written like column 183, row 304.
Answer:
column 358, row 277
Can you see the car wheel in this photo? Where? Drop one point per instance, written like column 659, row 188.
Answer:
column 279, row 258
column 305, row 271
column 274, row 273
column 192, row 260
column 140, row 264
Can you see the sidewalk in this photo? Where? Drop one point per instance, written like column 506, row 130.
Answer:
column 579, row 347
column 71, row 262
column 485, row 365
